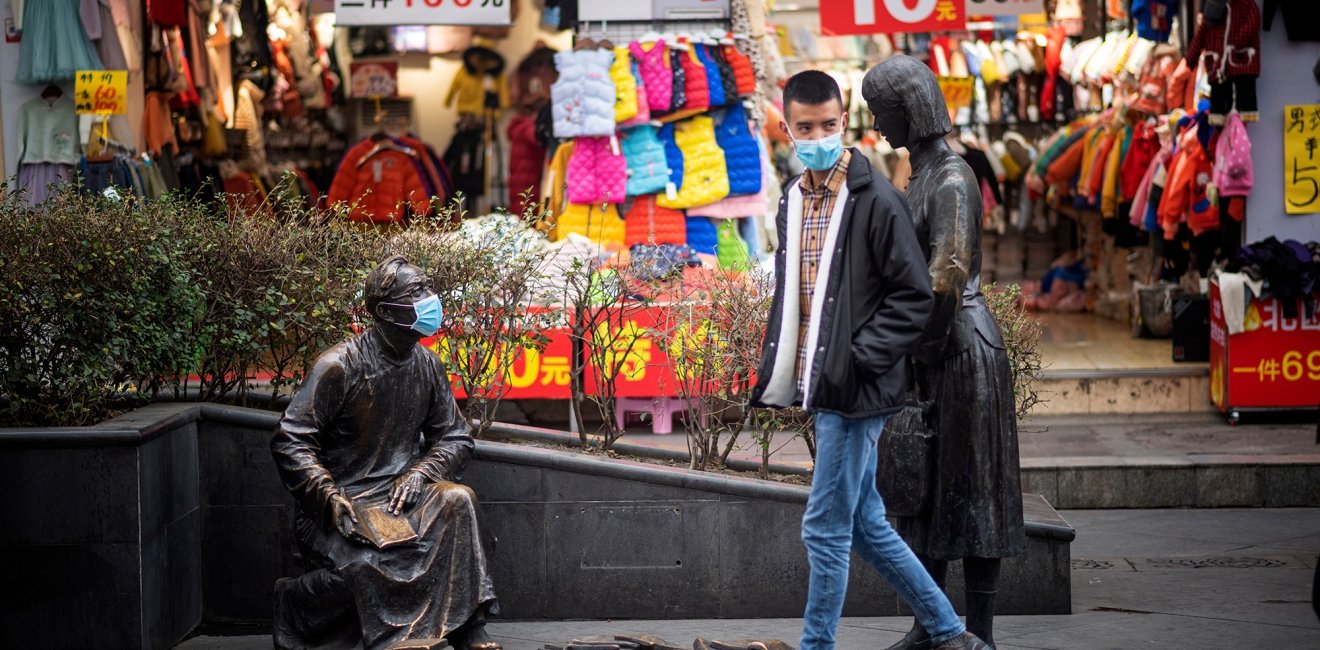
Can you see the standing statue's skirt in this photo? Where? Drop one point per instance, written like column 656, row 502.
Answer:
column 976, row 500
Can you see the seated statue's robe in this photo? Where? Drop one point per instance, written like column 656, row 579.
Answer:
column 363, row 418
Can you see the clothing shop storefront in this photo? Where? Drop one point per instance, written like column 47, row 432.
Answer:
column 1126, row 149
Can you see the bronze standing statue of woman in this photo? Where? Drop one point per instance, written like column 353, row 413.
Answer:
column 975, row 509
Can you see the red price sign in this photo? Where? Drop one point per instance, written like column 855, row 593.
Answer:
column 101, row 92
column 891, row 16
column 1273, row 362
column 422, row 12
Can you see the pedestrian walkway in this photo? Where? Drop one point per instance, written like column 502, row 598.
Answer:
column 1225, row 578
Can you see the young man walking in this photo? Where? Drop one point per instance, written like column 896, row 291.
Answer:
column 852, row 296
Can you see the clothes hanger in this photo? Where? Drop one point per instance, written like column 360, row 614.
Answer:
column 51, row 92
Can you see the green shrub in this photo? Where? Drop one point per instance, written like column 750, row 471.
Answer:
column 96, row 298
column 276, row 292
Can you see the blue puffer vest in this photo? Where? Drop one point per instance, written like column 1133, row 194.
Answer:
column 713, row 80
column 648, row 169
column 673, row 155
column 741, row 154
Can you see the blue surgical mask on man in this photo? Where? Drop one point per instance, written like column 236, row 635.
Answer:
column 428, row 315
column 819, row 155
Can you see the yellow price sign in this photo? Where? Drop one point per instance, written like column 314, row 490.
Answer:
column 101, row 92
column 1301, row 158
column 957, row 91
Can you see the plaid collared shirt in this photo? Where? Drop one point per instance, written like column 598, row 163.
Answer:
column 817, row 206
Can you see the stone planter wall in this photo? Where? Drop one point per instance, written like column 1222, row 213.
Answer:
column 131, row 533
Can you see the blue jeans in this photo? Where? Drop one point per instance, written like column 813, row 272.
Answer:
column 845, row 513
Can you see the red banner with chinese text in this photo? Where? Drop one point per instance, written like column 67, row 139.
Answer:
column 645, row 368
column 839, row 17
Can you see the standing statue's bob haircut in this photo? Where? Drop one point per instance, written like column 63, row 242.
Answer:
column 902, row 83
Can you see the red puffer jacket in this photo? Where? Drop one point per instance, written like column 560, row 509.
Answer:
column 382, row 181
column 526, row 162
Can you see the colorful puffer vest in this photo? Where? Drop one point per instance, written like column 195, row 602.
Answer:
column 603, row 226
column 743, row 74
column 734, row 207
column 701, row 235
column 657, row 76
column 597, row 172
column 741, row 155
column 705, row 179
column 643, row 115
column 673, row 156
column 730, row 248
column 648, row 170
column 714, row 83
column 625, row 86
column 678, row 89
column 726, row 73
column 582, row 100
column 696, row 88
column 648, row 223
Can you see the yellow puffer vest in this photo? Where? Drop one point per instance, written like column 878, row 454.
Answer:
column 605, row 227
column 705, row 172
column 625, row 86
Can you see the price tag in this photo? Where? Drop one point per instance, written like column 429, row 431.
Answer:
column 957, row 91
column 422, row 12
column 1301, row 158
column 101, row 92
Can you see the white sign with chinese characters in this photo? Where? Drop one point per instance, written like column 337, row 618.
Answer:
column 1004, row 7
column 422, row 12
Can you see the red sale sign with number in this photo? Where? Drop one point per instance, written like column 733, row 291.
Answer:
column 892, row 16
column 422, row 12
column 1273, row 363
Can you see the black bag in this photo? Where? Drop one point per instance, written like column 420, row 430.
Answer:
column 905, row 468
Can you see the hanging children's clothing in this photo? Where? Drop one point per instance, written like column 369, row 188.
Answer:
column 54, row 46
column 49, row 145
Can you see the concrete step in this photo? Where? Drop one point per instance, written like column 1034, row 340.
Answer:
column 1171, row 461
column 1183, row 389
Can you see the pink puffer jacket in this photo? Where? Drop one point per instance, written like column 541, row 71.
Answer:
column 657, row 76
column 597, row 172
column 733, row 207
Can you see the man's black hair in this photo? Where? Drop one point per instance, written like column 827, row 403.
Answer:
column 810, row 88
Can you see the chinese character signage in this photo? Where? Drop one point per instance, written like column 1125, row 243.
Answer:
column 1273, row 363
column 1301, row 159
column 422, row 12
column 1007, row 7
column 839, row 17
column 101, row 92
column 643, row 362
column 374, row 78
column 957, row 92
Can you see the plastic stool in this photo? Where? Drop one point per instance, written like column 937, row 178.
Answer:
column 661, row 409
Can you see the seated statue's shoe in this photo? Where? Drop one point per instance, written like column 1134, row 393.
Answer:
column 420, row 644
column 915, row 639
column 967, row 641
column 474, row 637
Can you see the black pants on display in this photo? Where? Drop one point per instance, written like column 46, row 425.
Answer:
column 1235, row 92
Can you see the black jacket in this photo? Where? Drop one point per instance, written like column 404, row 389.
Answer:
column 874, row 306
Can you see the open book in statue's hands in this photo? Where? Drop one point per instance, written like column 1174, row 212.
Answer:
column 382, row 529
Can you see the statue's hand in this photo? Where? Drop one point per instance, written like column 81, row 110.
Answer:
column 405, row 491
column 345, row 521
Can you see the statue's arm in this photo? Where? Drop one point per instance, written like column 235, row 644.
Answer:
column 895, row 327
column 447, row 436
column 296, row 445
column 954, row 214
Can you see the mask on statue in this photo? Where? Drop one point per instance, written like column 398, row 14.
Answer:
column 819, row 155
column 428, row 314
